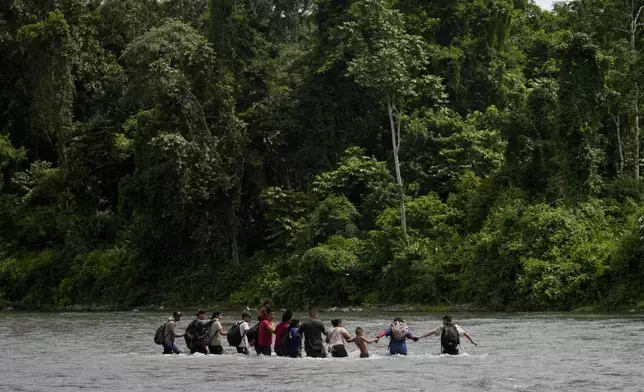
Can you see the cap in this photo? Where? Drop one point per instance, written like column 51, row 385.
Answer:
column 245, row 314
column 200, row 311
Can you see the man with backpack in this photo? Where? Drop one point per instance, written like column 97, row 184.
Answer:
column 237, row 334
column 398, row 333
column 450, row 334
column 196, row 333
column 167, row 333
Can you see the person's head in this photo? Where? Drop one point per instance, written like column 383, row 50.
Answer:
column 267, row 303
column 246, row 316
column 359, row 331
column 270, row 314
column 176, row 315
column 447, row 319
column 313, row 313
column 399, row 319
column 287, row 316
column 336, row 322
column 201, row 314
column 218, row 315
column 294, row 323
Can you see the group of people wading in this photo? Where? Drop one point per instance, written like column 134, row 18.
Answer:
column 205, row 336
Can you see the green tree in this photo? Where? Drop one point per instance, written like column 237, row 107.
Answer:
column 388, row 60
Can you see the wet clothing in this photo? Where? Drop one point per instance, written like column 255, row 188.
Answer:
column 170, row 349
column 243, row 327
column 438, row 331
column 199, row 345
column 312, row 330
column 242, row 350
column 364, row 355
column 199, row 349
column 295, row 343
column 336, row 336
column 216, row 350
column 450, row 351
column 280, row 331
column 265, row 337
column 214, row 338
column 337, row 342
column 264, row 350
column 339, row 351
column 170, row 332
column 397, row 347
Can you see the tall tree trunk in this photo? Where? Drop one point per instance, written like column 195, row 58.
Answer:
column 395, row 141
column 620, row 146
column 636, row 107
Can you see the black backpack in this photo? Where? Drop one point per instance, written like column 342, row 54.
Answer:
column 450, row 338
column 252, row 334
column 159, row 335
column 285, row 344
column 234, row 335
column 194, row 335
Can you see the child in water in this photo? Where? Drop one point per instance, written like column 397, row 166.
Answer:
column 361, row 342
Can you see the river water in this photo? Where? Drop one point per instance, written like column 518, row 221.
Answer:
column 516, row 352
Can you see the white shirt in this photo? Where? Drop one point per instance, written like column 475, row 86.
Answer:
column 337, row 336
column 243, row 327
column 439, row 330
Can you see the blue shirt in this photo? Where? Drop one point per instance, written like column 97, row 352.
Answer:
column 398, row 346
column 295, row 341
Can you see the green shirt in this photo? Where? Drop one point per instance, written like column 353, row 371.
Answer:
column 214, row 333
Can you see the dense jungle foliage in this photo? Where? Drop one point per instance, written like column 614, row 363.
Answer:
column 336, row 152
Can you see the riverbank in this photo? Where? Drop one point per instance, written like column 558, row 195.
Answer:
column 402, row 308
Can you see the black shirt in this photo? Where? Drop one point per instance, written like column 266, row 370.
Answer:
column 312, row 331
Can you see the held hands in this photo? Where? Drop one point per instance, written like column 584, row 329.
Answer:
column 416, row 339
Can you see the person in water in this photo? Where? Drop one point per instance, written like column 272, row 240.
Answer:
column 361, row 342
column 243, row 327
column 170, row 332
column 312, row 330
column 450, row 336
column 337, row 339
column 265, row 335
column 398, row 333
column 268, row 304
column 215, row 333
column 295, row 340
column 282, row 329
column 196, row 333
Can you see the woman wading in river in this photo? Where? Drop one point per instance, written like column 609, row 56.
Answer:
column 337, row 339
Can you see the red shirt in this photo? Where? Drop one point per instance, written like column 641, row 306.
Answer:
column 265, row 338
column 280, row 330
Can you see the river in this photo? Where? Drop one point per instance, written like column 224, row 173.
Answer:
column 516, row 352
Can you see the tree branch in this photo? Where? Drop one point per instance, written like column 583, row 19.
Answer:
column 203, row 114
